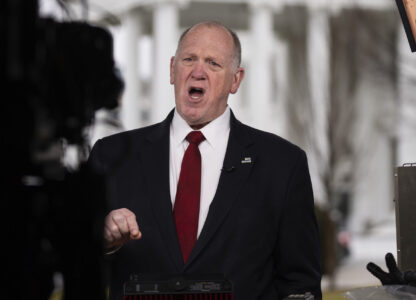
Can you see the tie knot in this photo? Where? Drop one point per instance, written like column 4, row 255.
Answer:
column 195, row 137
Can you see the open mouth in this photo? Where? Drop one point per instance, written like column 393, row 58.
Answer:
column 196, row 93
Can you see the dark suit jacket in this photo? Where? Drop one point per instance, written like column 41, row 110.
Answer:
column 261, row 231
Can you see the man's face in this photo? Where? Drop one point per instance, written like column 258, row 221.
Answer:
column 204, row 74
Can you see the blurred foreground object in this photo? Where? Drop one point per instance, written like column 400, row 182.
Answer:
column 197, row 287
column 407, row 9
column 178, row 287
column 385, row 292
column 394, row 276
column 56, row 74
column 405, row 205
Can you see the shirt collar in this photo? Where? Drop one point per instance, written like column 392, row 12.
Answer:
column 211, row 131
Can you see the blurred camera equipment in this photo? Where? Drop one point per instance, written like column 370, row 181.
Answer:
column 56, row 75
column 191, row 287
column 405, row 206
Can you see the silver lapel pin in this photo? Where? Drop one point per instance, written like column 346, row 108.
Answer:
column 246, row 160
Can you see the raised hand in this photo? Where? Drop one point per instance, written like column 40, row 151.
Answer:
column 120, row 226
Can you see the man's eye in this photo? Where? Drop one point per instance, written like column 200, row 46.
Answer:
column 213, row 63
column 188, row 59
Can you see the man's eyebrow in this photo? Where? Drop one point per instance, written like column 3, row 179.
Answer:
column 209, row 57
column 188, row 54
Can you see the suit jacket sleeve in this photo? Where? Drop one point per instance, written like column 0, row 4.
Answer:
column 104, row 160
column 94, row 161
column 297, row 252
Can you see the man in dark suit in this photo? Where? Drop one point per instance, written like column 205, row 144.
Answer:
column 255, row 219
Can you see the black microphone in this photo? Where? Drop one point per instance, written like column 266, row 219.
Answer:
column 229, row 169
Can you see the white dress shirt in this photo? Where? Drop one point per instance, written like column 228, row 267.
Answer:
column 212, row 157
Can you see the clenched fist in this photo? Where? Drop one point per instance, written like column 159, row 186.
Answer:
column 120, row 226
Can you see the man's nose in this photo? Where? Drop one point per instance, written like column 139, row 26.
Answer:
column 198, row 72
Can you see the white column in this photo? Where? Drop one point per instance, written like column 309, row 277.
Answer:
column 318, row 67
column 165, row 37
column 373, row 176
column 260, row 64
column 130, row 106
column 407, row 105
column 281, row 69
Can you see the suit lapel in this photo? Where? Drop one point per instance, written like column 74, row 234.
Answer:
column 155, row 159
column 237, row 166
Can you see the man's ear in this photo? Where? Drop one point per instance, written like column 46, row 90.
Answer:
column 238, row 77
column 172, row 71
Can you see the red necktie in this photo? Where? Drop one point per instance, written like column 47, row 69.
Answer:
column 186, row 208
